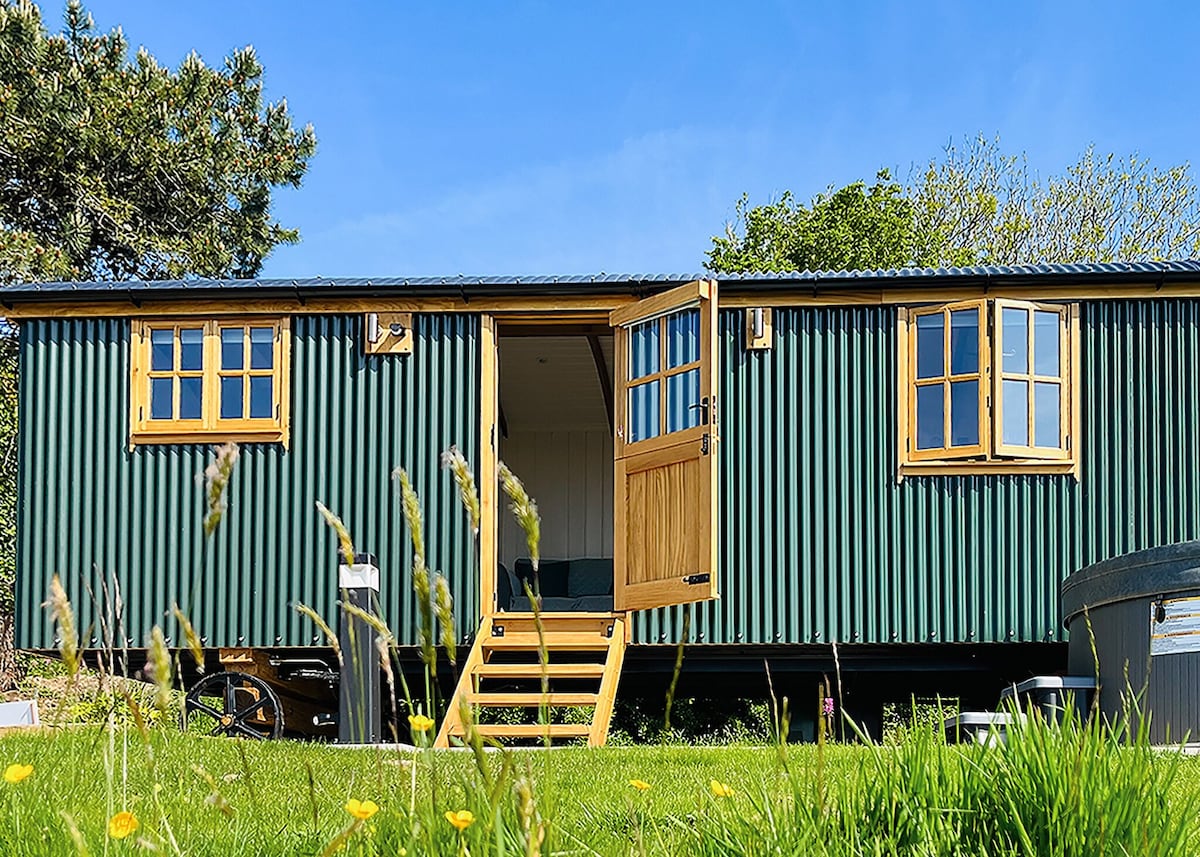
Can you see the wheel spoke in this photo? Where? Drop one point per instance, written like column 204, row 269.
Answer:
column 246, row 730
column 251, row 710
column 203, row 708
column 218, row 697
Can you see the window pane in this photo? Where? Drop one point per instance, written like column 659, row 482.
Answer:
column 683, row 400
column 931, row 431
column 162, row 351
column 1045, row 343
column 261, row 405
column 930, row 346
column 683, row 338
column 643, row 412
column 231, row 347
column 964, row 342
column 262, row 349
column 1046, row 415
column 190, row 392
column 1016, row 413
column 191, row 349
column 161, row 405
column 1016, row 340
column 231, row 398
column 643, row 349
column 964, row 413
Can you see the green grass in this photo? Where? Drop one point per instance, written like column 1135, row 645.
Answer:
column 203, row 796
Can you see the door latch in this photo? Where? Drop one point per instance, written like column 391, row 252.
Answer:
column 694, row 579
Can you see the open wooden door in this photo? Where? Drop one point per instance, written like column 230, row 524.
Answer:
column 665, row 446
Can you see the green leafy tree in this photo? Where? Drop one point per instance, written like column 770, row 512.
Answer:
column 113, row 166
column 975, row 205
column 854, row 227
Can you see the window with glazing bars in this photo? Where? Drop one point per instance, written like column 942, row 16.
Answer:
column 210, row 380
column 987, row 380
column 664, row 375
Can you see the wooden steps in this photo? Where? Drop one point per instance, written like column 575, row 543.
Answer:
column 504, row 672
column 534, row 730
column 530, row 700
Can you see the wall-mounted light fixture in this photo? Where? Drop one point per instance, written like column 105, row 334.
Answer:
column 758, row 328
column 388, row 333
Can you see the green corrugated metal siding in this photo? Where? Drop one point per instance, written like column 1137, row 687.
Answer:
column 820, row 543
column 90, row 507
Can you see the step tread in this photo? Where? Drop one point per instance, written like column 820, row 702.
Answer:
column 534, row 670
column 531, row 730
column 530, row 700
column 593, row 642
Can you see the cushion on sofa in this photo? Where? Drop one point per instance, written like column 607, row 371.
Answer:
column 587, row 577
column 552, row 576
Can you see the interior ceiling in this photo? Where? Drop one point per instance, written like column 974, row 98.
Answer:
column 549, row 383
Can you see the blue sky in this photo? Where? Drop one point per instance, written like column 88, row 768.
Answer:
column 571, row 137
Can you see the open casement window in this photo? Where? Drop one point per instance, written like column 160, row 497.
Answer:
column 947, row 397
column 665, row 498
column 209, row 381
column 1031, row 372
column 988, row 386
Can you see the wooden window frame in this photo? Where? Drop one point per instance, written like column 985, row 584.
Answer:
column 995, row 458
column 622, row 356
column 980, row 376
column 210, row 428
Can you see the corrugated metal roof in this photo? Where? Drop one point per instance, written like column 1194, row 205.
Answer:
column 1187, row 269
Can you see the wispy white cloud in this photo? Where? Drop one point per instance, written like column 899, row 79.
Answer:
column 650, row 203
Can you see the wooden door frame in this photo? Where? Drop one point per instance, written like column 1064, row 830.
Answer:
column 490, row 327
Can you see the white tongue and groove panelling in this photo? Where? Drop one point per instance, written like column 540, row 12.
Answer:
column 570, row 475
column 558, row 443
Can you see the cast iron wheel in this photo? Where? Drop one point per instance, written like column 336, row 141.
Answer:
column 236, row 705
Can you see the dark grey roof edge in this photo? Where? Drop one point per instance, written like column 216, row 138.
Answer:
column 1096, row 272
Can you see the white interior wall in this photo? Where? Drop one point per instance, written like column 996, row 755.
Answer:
column 558, row 443
column 570, row 475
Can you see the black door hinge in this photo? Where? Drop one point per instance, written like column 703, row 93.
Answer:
column 693, row 579
column 704, row 444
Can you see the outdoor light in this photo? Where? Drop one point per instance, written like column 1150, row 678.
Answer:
column 388, row 332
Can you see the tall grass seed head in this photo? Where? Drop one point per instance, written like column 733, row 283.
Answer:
column 60, row 608
column 346, row 545
column 454, row 461
column 190, row 637
column 525, row 510
column 215, row 479
column 412, row 514
column 323, row 626
column 444, row 607
column 158, row 668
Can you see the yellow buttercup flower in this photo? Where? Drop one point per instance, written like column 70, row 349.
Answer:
column 720, row 789
column 361, row 809
column 640, row 785
column 419, row 723
column 461, row 819
column 122, row 824
column 16, row 772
